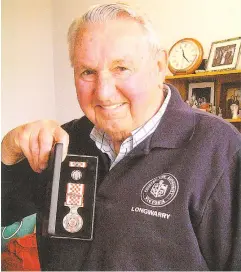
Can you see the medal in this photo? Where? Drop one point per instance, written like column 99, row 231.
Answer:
column 73, row 222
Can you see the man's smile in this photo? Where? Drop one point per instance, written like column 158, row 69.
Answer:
column 111, row 107
column 112, row 111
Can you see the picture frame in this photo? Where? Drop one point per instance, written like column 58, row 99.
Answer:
column 203, row 93
column 224, row 54
column 230, row 94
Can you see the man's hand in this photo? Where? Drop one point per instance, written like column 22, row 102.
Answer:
column 33, row 141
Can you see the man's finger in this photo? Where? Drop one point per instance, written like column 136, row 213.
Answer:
column 34, row 147
column 61, row 136
column 23, row 142
column 46, row 142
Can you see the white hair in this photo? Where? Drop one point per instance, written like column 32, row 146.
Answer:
column 105, row 12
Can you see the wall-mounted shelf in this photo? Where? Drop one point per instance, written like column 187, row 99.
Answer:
column 234, row 120
column 218, row 77
column 181, row 82
column 204, row 75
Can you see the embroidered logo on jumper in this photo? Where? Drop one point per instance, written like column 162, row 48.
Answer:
column 160, row 191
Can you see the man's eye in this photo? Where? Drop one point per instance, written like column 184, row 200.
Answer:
column 121, row 68
column 122, row 72
column 88, row 75
column 88, row 72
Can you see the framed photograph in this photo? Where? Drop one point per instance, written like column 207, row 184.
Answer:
column 230, row 94
column 202, row 93
column 224, row 54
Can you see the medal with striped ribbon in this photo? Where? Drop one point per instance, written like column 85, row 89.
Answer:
column 73, row 222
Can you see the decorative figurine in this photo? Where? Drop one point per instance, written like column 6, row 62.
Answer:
column 234, row 108
column 220, row 114
column 214, row 110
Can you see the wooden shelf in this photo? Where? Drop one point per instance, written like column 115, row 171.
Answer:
column 204, row 74
column 234, row 120
column 181, row 82
column 220, row 79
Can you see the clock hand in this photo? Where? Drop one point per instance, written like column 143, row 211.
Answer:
column 184, row 55
column 185, row 58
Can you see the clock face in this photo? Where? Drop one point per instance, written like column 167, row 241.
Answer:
column 185, row 56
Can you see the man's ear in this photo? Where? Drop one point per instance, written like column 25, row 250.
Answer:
column 162, row 63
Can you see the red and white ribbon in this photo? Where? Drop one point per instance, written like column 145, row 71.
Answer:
column 75, row 194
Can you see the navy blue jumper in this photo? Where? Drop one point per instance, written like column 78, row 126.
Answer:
column 173, row 203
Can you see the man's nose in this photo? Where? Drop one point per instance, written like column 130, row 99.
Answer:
column 105, row 86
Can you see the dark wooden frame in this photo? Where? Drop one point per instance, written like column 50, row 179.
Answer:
column 227, row 91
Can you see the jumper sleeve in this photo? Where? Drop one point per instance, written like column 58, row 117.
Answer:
column 219, row 232
column 22, row 192
column 235, row 259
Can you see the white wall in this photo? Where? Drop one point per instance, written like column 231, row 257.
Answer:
column 31, row 74
column 27, row 62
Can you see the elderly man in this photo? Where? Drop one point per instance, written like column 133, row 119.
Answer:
column 168, row 194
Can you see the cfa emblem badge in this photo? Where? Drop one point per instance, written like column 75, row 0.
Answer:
column 160, row 191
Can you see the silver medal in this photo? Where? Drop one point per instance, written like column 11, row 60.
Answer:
column 73, row 222
column 76, row 175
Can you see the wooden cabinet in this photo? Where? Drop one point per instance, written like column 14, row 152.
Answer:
column 181, row 82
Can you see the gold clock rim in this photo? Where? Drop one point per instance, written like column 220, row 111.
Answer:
column 197, row 62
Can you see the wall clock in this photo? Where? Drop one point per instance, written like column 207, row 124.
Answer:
column 185, row 56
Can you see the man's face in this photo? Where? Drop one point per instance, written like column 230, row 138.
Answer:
column 118, row 81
